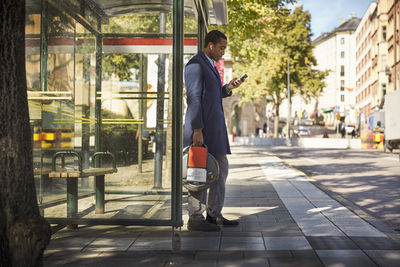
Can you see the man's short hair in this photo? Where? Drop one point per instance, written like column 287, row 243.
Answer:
column 214, row 36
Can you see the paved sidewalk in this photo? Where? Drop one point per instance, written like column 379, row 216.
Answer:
column 284, row 221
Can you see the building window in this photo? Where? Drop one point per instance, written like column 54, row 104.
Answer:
column 342, row 85
column 342, row 70
column 341, row 98
column 342, row 54
column 383, row 62
column 384, row 33
column 342, row 40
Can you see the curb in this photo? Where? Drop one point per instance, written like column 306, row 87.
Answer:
column 384, row 228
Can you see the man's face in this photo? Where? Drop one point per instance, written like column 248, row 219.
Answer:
column 218, row 50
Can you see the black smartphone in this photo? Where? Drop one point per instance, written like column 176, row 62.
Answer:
column 244, row 76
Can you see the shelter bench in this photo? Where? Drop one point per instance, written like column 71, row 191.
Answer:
column 72, row 181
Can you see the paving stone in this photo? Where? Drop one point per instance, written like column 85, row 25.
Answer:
column 289, row 243
column 196, row 263
column 130, row 232
column 326, row 203
column 242, row 239
column 181, row 258
column 276, row 233
column 318, row 227
column 114, row 259
column 268, row 254
column 87, row 231
column 70, row 243
column 229, row 229
column 271, row 224
column 200, row 243
column 385, row 258
column 255, row 262
column 287, row 191
column 196, row 234
column 58, row 258
column 241, row 246
column 295, row 231
column 345, row 258
column 151, row 243
column 367, row 231
column 267, row 218
column 312, row 217
column 230, row 255
column 298, row 258
column 304, row 254
column 239, row 234
column 278, row 262
column 331, row 242
column 376, row 243
column 249, row 218
column 256, row 228
column 110, row 244
column 206, row 255
column 156, row 234
column 282, row 217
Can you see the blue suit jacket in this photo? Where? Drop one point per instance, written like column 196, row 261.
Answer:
column 204, row 92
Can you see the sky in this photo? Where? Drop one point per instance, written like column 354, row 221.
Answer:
column 325, row 14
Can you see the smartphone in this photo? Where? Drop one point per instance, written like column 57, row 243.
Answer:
column 243, row 77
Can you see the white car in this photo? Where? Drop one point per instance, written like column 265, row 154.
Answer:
column 349, row 128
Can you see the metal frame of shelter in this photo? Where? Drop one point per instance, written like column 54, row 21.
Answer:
column 205, row 15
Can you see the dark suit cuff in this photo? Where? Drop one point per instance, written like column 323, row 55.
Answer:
column 227, row 91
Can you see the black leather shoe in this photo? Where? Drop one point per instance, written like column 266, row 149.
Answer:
column 221, row 221
column 202, row 225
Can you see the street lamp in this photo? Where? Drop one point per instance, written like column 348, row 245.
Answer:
column 268, row 99
column 289, row 105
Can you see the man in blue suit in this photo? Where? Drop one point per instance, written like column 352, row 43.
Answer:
column 205, row 124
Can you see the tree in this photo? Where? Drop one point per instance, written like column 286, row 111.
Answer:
column 24, row 234
column 269, row 36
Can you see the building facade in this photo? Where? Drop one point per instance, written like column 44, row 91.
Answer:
column 393, row 38
column 364, row 54
column 335, row 51
column 379, row 74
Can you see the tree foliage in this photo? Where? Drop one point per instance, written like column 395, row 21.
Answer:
column 120, row 65
column 263, row 37
column 148, row 23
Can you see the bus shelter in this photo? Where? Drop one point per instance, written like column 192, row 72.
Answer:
column 105, row 90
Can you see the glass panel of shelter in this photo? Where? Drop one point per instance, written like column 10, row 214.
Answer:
column 60, row 104
column 136, row 82
column 135, row 121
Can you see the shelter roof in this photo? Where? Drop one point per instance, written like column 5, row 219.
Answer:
column 216, row 9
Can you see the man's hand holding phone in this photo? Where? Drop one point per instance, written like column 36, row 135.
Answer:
column 235, row 83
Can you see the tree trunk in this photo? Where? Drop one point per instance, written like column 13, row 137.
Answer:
column 24, row 234
column 276, row 121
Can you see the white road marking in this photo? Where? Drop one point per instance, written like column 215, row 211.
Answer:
column 312, row 160
column 394, row 159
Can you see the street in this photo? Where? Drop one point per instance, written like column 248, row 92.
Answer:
column 370, row 179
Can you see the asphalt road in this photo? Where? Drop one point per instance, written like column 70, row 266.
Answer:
column 370, row 179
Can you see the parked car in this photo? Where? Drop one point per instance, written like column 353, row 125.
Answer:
column 302, row 131
column 349, row 128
